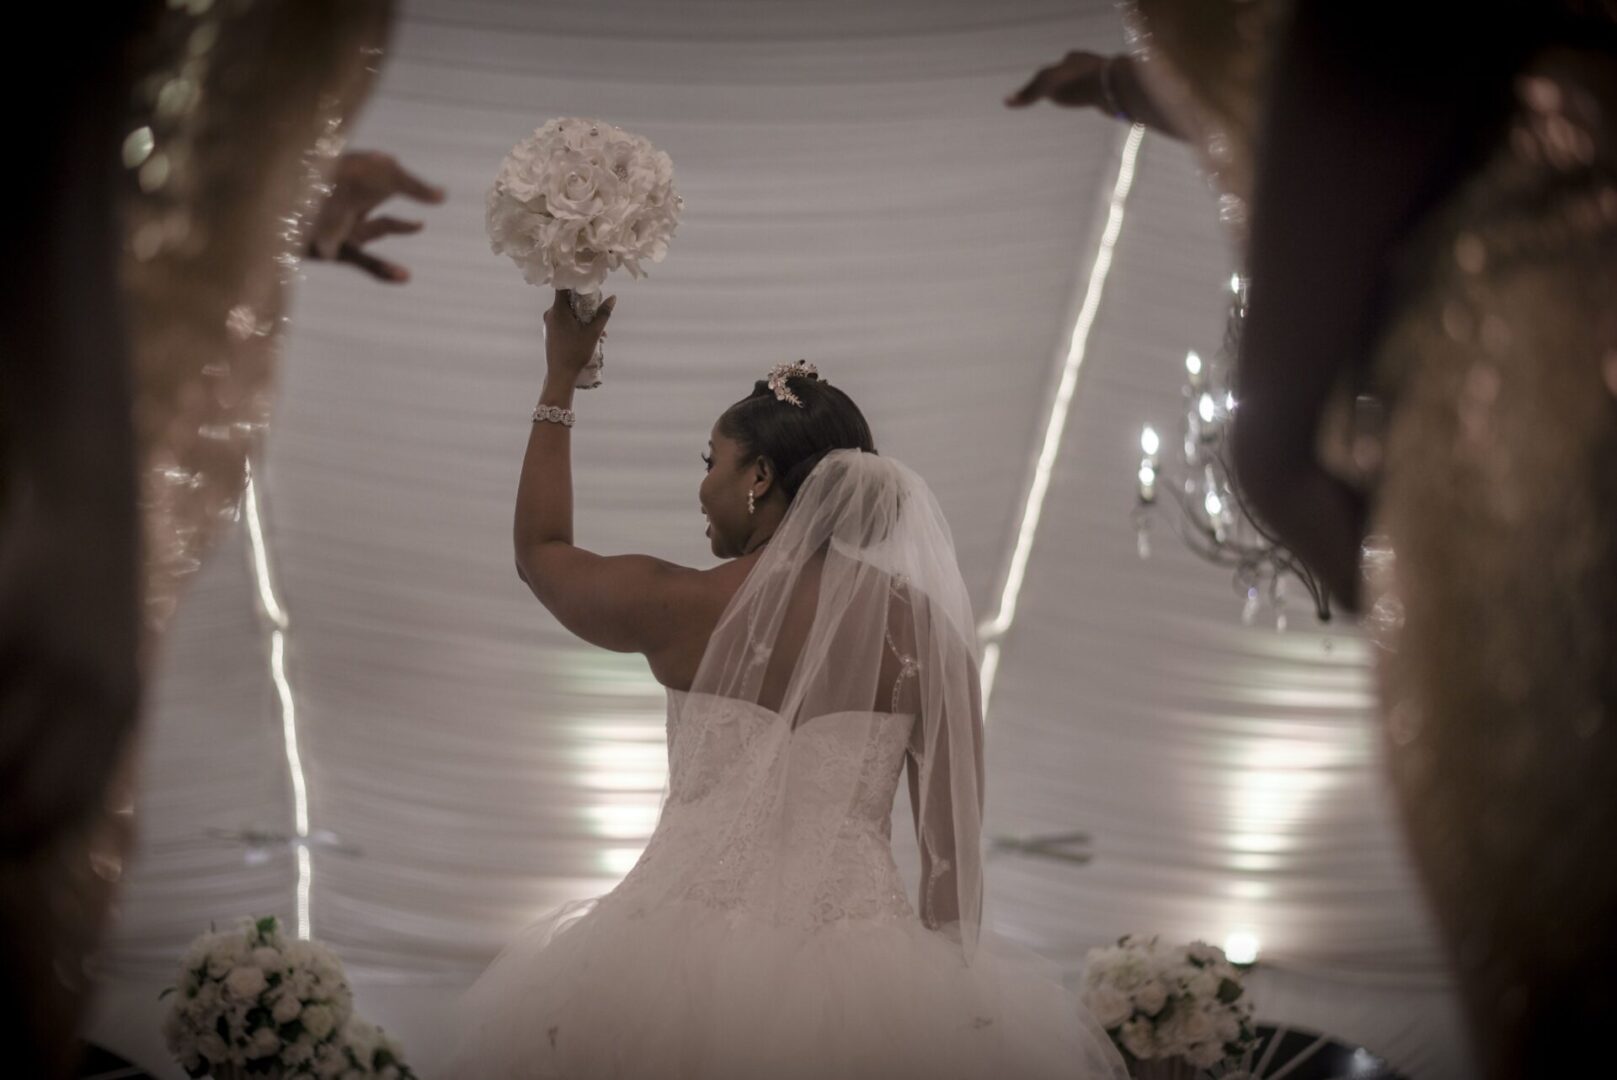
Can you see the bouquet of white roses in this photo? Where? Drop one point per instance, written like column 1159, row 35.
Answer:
column 250, row 1001
column 1185, row 1002
column 578, row 199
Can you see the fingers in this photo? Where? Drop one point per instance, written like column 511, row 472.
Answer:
column 1037, row 88
column 1030, row 93
column 412, row 186
column 331, row 230
column 380, row 269
column 603, row 314
column 374, row 228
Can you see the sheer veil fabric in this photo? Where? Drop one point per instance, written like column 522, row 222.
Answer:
column 765, row 930
column 865, row 561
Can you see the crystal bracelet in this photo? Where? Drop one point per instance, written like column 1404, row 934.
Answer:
column 554, row 415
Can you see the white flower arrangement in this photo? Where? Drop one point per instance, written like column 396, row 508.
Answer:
column 252, row 1002
column 1155, row 1002
column 580, row 198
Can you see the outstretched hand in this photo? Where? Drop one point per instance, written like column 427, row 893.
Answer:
column 363, row 181
column 1074, row 81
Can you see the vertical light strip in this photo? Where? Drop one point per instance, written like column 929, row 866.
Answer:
column 993, row 629
column 275, row 612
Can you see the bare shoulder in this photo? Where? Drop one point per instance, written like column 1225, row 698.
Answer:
column 699, row 598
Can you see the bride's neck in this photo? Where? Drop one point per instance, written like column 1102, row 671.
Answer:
column 762, row 534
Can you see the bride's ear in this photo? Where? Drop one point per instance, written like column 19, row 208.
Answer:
column 763, row 473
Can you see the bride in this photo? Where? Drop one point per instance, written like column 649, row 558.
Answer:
column 765, row 931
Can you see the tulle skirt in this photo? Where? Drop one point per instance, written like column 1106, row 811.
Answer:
column 593, row 991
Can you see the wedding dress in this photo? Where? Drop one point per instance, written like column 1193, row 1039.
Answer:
column 765, row 931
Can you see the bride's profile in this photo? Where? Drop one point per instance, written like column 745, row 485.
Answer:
column 765, row 930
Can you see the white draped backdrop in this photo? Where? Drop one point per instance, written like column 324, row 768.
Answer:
column 857, row 195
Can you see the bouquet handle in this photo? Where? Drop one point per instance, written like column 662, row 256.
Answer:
column 585, row 306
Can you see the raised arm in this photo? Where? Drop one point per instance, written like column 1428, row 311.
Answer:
column 627, row 603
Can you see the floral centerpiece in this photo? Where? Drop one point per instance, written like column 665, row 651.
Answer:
column 252, row 1002
column 1169, row 1010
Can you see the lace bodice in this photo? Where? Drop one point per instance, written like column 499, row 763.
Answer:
column 811, row 851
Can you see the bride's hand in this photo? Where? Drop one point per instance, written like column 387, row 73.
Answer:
column 570, row 344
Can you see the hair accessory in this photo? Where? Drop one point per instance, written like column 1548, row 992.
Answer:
column 781, row 372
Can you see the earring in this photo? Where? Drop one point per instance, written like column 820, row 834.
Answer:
column 752, row 505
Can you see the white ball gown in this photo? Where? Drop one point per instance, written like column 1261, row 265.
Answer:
column 765, row 930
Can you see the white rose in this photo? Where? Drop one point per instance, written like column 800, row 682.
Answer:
column 1227, row 1026
column 224, row 953
column 298, row 1053
column 318, row 1021
column 246, row 983
column 213, row 1048
column 1151, row 997
column 265, row 1043
column 300, row 984
column 1098, row 967
column 388, row 1072
column 364, row 1039
column 1130, row 974
column 286, row 1010
column 269, row 959
column 330, row 1063
column 1110, row 1008
column 1138, row 1038
column 1196, row 1027
column 196, row 955
column 575, row 187
column 1204, row 984
column 1206, row 1054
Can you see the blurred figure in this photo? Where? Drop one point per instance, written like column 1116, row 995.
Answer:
column 182, row 169
column 1433, row 211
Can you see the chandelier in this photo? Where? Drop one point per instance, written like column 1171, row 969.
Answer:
column 1196, row 480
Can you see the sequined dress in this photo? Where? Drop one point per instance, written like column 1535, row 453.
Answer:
column 1492, row 569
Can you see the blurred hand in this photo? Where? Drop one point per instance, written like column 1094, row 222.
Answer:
column 1074, row 82
column 363, row 180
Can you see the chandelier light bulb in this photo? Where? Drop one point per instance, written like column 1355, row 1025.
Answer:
column 1214, row 505
column 1241, row 947
column 1193, row 363
column 1148, row 440
column 1206, row 409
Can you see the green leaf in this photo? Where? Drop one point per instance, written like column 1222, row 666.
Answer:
column 165, row 993
column 266, row 925
column 1229, row 991
column 222, row 1028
